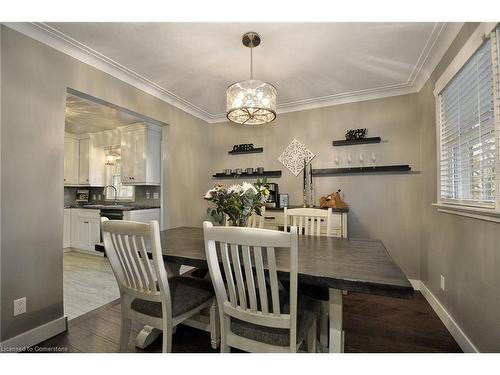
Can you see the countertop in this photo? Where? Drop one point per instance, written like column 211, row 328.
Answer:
column 122, row 207
column 281, row 208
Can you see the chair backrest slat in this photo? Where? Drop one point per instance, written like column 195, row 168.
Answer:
column 247, row 276
column 146, row 265
column 247, row 263
column 240, row 284
column 124, row 260
column 309, row 220
column 273, row 278
column 226, row 263
column 136, row 263
column 261, row 279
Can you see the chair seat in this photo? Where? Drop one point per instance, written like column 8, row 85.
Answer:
column 186, row 294
column 307, row 310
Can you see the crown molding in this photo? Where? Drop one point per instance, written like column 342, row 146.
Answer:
column 437, row 44
column 69, row 46
column 434, row 49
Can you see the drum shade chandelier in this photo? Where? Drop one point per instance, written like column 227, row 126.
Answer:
column 251, row 102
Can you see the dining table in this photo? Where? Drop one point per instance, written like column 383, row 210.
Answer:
column 338, row 265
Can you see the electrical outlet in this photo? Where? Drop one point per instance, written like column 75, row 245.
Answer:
column 442, row 283
column 19, row 306
column 148, row 194
column 93, row 197
column 156, row 195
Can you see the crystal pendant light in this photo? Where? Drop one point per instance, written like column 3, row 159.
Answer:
column 251, row 102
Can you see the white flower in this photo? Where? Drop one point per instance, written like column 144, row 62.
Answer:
column 246, row 186
column 234, row 189
column 208, row 195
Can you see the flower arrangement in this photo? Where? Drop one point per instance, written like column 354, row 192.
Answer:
column 239, row 202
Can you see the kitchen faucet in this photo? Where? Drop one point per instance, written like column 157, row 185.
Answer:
column 116, row 192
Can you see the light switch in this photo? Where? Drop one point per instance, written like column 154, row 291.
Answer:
column 19, row 306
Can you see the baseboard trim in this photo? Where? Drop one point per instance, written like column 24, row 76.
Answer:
column 415, row 283
column 34, row 336
column 458, row 334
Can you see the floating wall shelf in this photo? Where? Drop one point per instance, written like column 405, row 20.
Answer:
column 269, row 174
column 377, row 169
column 344, row 142
column 257, row 150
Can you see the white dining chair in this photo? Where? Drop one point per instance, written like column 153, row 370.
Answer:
column 255, row 315
column 146, row 294
column 308, row 220
column 254, row 221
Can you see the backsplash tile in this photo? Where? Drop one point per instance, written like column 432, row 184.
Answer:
column 140, row 195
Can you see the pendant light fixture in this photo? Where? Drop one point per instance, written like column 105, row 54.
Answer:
column 251, row 102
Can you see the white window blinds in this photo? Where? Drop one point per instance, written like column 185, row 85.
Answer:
column 467, row 126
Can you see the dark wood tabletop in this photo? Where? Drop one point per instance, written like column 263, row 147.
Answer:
column 357, row 265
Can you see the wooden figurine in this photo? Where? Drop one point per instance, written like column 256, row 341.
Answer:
column 332, row 201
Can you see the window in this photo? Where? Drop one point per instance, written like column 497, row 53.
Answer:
column 467, row 118
column 124, row 193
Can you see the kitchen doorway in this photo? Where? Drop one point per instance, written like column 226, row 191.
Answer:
column 112, row 168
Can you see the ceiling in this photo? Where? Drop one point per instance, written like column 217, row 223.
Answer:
column 311, row 64
column 85, row 116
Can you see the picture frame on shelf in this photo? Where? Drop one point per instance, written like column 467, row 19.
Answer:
column 283, row 200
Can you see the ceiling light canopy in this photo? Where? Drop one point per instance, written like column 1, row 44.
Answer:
column 251, row 102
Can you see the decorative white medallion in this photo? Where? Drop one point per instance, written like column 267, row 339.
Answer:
column 293, row 157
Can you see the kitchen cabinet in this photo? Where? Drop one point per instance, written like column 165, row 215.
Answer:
column 91, row 163
column 67, row 228
column 143, row 216
column 85, row 229
column 275, row 219
column 141, row 154
column 84, row 163
column 71, row 150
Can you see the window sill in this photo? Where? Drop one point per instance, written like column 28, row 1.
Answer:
column 488, row 214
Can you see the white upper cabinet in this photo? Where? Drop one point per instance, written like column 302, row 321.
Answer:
column 141, row 154
column 84, row 156
column 91, row 169
column 84, row 163
column 70, row 159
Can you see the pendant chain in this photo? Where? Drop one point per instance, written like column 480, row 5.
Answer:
column 251, row 62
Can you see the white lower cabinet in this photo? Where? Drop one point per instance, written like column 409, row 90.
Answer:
column 67, row 228
column 274, row 219
column 85, row 229
column 143, row 216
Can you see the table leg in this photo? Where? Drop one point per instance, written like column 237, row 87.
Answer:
column 336, row 334
column 323, row 324
column 149, row 334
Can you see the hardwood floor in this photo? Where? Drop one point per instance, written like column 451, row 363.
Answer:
column 372, row 324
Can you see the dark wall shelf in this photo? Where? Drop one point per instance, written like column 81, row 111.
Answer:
column 344, row 142
column 378, row 169
column 256, row 150
column 244, row 174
